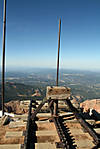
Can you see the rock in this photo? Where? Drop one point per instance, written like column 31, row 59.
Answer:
column 91, row 104
column 75, row 103
column 15, row 107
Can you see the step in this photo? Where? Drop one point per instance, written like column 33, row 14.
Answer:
column 42, row 122
column 49, row 114
column 85, row 143
column 10, row 134
column 46, row 133
column 75, row 131
column 17, row 124
column 46, row 126
column 22, row 117
column 46, row 115
column 10, row 146
column 92, row 122
column 45, row 146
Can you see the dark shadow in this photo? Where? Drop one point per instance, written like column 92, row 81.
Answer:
column 97, row 126
column 95, row 115
column 32, row 135
column 86, row 115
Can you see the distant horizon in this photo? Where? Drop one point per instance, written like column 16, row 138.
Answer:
column 23, row 68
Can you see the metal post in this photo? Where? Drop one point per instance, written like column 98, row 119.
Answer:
column 58, row 52
column 56, row 102
column 3, row 58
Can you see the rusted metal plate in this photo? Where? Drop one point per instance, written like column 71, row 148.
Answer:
column 57, row 92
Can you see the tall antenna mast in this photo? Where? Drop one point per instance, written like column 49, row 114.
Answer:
column 56, row 101
column 58, row 52
column 3, row 57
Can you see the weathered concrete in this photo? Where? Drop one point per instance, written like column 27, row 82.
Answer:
column 46, row 133
column 10, row 146
column 49, row 114
column 92, row 122
column 84, row 143
column 46, row 115
column 57, row 92
column 45, row 146
column 10, row 134
column 41, row 122
column 21, row 117
column 17, row 124
column 76, row 131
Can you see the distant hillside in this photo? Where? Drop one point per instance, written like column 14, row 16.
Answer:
column 19, row 91
column 22, row 84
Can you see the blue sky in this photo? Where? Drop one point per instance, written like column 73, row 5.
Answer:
column 32, row 33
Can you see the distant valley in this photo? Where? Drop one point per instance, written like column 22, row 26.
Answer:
column 23, row 84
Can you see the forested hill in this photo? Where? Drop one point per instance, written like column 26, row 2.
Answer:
column 19, row 91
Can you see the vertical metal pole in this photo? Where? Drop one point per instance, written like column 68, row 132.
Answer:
column 56, row 102
column 3, row 58
column 58, row 52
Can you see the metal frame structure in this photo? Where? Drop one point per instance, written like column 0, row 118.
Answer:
column 65, row 139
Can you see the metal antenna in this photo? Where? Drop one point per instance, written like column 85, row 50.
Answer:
column 58, row 52
column 56, row 101
column 3, row 58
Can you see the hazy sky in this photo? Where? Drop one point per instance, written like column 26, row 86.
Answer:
column 32, row 33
